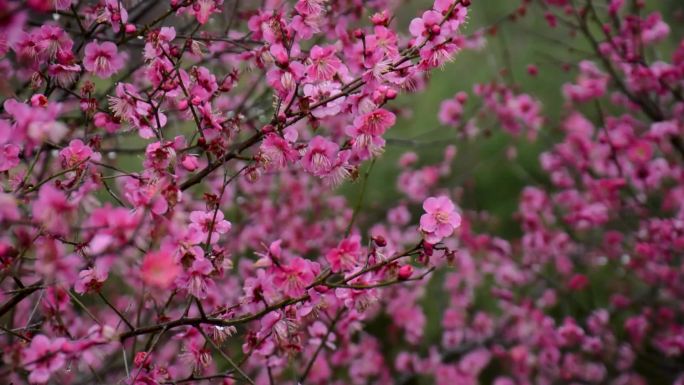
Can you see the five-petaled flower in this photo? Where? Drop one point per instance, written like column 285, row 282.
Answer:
column 440, row 219
column 159, row 269
column 43, row 357
column 102, row 59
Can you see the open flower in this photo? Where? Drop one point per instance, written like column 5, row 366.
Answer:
column 345, row 255
column 320, row 157
column 103, row 60
column 426, row 25
column 9, row 156
column 197, row 280
column 159, row 269
column 324, row 63
column 43, row 357
column 203, row 223
column 294, row 277
column 440, row 219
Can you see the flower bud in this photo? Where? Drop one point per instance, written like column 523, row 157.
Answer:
column 190, row 162
column 39, row 100
column 405, row 272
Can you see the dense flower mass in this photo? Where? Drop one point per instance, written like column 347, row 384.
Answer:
column 170, row 209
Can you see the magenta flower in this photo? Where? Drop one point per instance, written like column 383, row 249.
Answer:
column 9, row 156
column 323, row 91
column 196, row 280
column 202, row 223
column 294, row 277
column 53, row 40
column 426, row 25
column 440, row 219
column 93, row 278
column 190, row 162
column 451, row 110
column 76, row 154
column 346, row 255
column 115, row 14
column 320, row 156
column 65, row 70
column 276, row 153
column 63, row 5
column 324, row 63
column 103, row 60
column 204, row 8
column 159, row 269
column 43, row 357
column 8, row 207
column 53, row 209
column 375, row 122
column 310, row 7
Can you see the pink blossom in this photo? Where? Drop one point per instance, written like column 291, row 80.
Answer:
column 321, row 92
column 310, row 7
column 9, row 156
column 324, row 63
column 276, row 152
column 27, row 47
column 287, row 74
column 196, row 280
column 654, row 29
column 204, row 223
column 190, row 162
column 294, row 277
column 323, row 157
column 591, row 84
column 427, row 25
column 259, row 287
column 451, row 110
column 257, row 111
column 440, row 219
column 8, row 207
column 43, row 357
column 103, row 59
column 306, row 25
column 93, row 278
column 346, row 255
column 405, row 272
column 76, row 154
column 159, row 269
column 375, row 122
column 319, row 332
column 53, row 209
column 53, row 41
column 106, row 121
column 34, row 124
column 204, row 8
column 115, row 13
column 65, row 70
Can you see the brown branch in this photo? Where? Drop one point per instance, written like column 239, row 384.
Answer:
column 19, row 296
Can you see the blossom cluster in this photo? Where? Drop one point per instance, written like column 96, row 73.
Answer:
column 170, row 212
column 168, row 174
